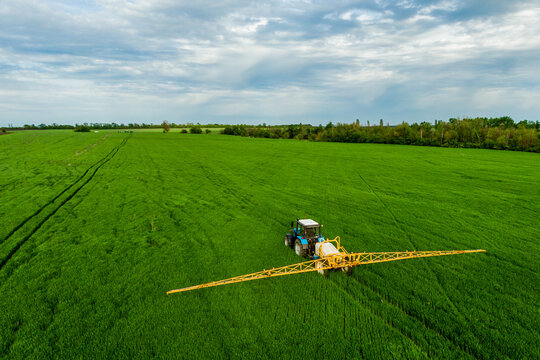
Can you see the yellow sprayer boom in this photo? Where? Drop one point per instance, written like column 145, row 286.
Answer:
column 342, row 259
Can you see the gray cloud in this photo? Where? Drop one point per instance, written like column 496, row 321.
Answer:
column 297, row 61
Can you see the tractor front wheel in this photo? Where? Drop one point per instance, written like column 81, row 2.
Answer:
column 299, row 250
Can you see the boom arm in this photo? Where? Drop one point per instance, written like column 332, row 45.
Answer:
column 331, row 262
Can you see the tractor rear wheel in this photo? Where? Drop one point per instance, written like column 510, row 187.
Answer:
column 287, row 241
column 347, row 270
column 320, row 268
column 298, row 249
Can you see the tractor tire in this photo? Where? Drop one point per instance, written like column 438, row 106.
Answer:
column 319, row 266
column 347, row 269
column 299, row 250
column 287, row 241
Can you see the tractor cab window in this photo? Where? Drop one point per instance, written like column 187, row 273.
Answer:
column 310, row 232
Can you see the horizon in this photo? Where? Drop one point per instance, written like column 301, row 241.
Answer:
column 304, row 62
column 366, row 124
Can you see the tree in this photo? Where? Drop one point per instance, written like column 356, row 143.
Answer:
column 292, row 131
column 425, row 127
column 166, row 126
column 500, row 121
column 195, row 129
column 82, row 128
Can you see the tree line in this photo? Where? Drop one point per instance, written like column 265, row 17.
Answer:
column 488, row 133
column 108, row 126
column 193, row 129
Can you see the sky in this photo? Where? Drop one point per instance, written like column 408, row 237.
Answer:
column 274, row 62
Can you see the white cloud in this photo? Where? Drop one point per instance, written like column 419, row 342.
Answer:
column 260, row 60
column 242, row 25
column 406, row 4
column 364, row 16
column 445, row 5
column 497, row 97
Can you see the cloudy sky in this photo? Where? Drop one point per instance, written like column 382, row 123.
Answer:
column 69, row 61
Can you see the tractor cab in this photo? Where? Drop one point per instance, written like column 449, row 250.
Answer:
column 307, row 228
column 304, row 235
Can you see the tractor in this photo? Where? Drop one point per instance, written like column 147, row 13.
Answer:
column 304, row 236
column 324, row 254
column 307, row 241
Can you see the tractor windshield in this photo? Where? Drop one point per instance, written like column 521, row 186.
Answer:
column 310, row 232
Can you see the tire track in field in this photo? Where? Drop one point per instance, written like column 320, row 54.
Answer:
column 408, row 236
column 97, row 165
column 494, row 253
column 402, row 229
column 384, row 320
column 38, row 211
column 398, row 307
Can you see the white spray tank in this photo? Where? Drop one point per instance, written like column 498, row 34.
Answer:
column 323, row 249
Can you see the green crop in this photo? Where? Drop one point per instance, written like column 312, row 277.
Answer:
column 96, row 227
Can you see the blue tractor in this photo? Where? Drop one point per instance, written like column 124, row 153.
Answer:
column 304, row 236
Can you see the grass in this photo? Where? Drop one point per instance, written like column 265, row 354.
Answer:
column 107, row 232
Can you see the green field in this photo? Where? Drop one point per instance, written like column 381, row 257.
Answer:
column 96, row 227
column 173, row 130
